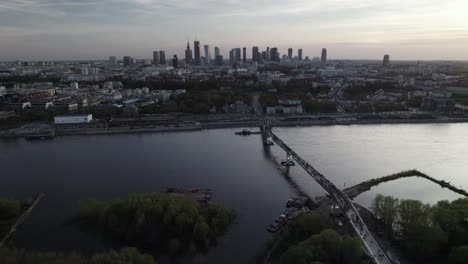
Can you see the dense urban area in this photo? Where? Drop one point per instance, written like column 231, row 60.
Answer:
column 45, row 99
column 201, row 90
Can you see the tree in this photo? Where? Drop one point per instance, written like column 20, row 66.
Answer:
column 459, row 255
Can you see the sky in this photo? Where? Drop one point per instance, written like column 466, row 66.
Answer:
column 349, row 29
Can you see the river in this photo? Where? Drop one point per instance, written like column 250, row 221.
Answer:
column 242, row 173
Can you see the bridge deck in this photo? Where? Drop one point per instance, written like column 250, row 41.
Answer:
column 372, row 247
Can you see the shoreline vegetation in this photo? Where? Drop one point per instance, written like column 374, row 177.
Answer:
column 312, row 238
column 10, row 211
column 160, row 222
column 125, row 255
column 425, row 234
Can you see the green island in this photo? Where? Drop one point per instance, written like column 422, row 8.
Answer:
column 124, row 256
column 162, row 223
column 425, row 233
column 312, row 238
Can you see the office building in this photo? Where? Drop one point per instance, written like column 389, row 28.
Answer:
column 196, row 52
column 244, row 55
column 324, row 55
column 156, row 57
column 238, row 55
column 386, row 60
column 290, row 53
column 162, row 57
column 255, row 54
column 299, row 54
column 274, row 55
column 219, row 60
column 84, row 69
column 217, row 52
column 207, row 54
column 188, row 55
column 127, row 60
column 113, row 61
column 175, row 62
column 232, row 57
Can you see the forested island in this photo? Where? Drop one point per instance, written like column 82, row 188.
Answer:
column 313, row 238
column 126, row 255
column 425, row 233
column 160, row 222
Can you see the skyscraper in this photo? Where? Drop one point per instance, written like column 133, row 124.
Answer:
column 127, row 60
column 217, row 52
column 267, row 54
column 113, row 61
column 155, row 57
column 290, row 53
column 238, row 55
column 175, row 62
column 188, row 55
column 162, row 57
column 386, row 60
column 232, row 56
column 196, row 51
column 299, row 54
column 274, row 55
column 324, row 55
column 207, row 54
column 255, row 54
column 244, row 55
column 219, row 60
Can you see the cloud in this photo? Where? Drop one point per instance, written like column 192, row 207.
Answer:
column 168, row 23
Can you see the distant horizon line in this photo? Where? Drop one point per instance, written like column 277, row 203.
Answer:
column 250, row 59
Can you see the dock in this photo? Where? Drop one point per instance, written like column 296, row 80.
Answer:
column 22, row 219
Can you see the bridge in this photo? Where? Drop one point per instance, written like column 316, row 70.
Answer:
column 371, row 246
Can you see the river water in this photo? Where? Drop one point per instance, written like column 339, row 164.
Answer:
column 242, row 173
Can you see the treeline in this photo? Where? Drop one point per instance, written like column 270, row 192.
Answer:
column 28, row 79
column 376, row 107
column 360, row 92
column 26, row 116
column 189, row 85
column 126, row 255
column 162, row 222
column 310, row 238
column 199, row 102
column 426, row 234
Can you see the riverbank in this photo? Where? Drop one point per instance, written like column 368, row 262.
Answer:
column 99, row 129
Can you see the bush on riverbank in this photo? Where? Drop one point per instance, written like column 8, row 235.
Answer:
column 10, row 210
column 310, row 239
column 429, row 234
column 126, row 255
column 163, row 222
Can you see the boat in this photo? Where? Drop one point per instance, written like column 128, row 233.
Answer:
column 244, row 132
column 288, row 163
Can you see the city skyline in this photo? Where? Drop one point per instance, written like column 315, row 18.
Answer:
column 90, row 29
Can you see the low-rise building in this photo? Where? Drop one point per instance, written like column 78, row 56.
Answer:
column 73, row 119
